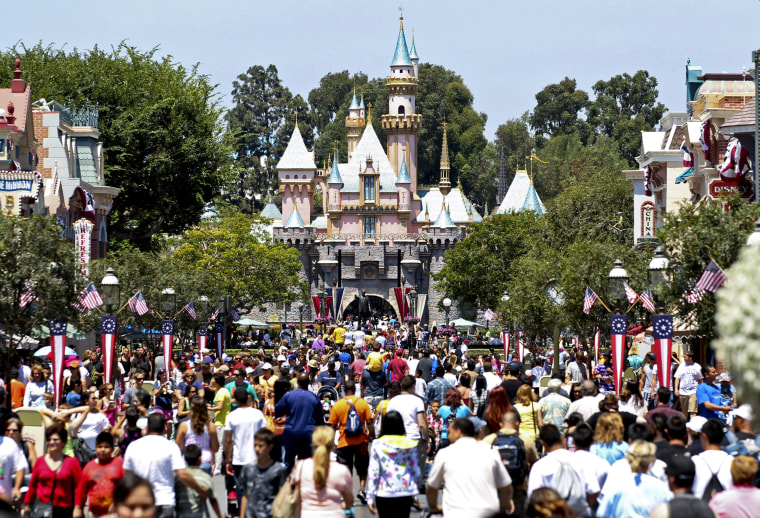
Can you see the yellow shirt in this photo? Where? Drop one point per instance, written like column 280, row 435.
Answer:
column 223, row 395
column 337, row 335
column 528, row 420
column 375, row 361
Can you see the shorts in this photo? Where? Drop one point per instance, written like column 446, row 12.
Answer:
column 689, row 404
column 355, row 456
column 168, row 414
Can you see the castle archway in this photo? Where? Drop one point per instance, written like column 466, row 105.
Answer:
column 379, row 307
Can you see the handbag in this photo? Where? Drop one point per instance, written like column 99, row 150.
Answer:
column 45, row 509
column 83, row 452
column 287, row 503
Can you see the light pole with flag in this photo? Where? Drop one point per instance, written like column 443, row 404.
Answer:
column 58, row 346
column 618, row 278
column 109, row 287
column 662, row 324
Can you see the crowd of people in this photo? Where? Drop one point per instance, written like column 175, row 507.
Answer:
column 407, row 411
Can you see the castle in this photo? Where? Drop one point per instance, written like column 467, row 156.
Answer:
column 380, row 233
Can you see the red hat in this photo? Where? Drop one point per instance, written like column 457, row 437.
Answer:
column 239, row 366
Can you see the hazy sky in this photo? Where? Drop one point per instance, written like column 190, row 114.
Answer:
column 506, row 51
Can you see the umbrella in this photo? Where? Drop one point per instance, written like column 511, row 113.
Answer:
column 244, row 322
column 42, row 352
column 461, row 322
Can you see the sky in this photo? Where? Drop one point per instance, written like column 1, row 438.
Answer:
column 506, row 51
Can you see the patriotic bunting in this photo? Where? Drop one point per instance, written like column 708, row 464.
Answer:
column 58, row 346
column 662, row 332
column 202, row 341
column 167, row 338
column 109, row 326
column 617, row 335
column 219, row 330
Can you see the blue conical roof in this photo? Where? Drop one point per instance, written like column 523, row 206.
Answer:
column 361, row 103
column 271, row 211
column 334, row 173
column 403, row 175
column 444, row 219
column 354, row 103
column 531, row 201
column 401, row 56
column 413, row 51
column 295, row 220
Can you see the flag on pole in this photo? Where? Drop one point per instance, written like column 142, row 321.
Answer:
column 27, row 297
column 629, row 293
column 694, row 295
column 617, row 332
column 688, row 156
column 488, row 315
column 589, row 300
column 597, row 345
column 219, row 330
column 704, row 139
column 202, row 341
column 89, row 298
column 662, row 332
column 190, row 308
column 647, row 300
column 505, row 338
column 216, row 313
column 58, row 346
column 137, row 304
column 109, row 326
column 712, row 278
column 167, row 338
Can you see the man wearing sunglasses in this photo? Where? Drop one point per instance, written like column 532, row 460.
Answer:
column 238, row 381
column 138, row 378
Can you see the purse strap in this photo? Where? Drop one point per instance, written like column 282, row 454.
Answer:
column 55, row 481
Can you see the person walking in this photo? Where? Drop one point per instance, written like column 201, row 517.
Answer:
column 687, row 378
column 34, row 395
column 554, row 405
column 351, row 416
column 680, row 475
column 477, row 483
column 452, row 409
column 531, row 420
column 200, row 431
column 303, row 413
column 412, row 410
column 221, row 406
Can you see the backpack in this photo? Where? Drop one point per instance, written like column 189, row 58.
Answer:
column 747, row 447
column 713, row 486
column 512, row 452
column 354, row 424
column 570, row 487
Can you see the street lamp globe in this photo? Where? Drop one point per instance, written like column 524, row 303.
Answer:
column 109, row 286
column 505, row 298
column 447, row 302
column 618, row 277
column 169, row 298
column 204, row 303
column 659, row 271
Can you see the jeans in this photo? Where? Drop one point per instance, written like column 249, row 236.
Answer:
column 293, row 452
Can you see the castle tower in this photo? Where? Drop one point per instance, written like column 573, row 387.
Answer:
column 403, row 185
column 444, row 184
column 334, row 185
column 354, row 123
column 402, row 124
column 415, row 58
column 296, row 171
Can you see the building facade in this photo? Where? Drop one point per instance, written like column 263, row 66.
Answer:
column 381, row 233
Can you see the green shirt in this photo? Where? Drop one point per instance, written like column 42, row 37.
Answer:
column 248, row 388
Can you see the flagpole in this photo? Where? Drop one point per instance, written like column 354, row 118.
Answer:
column 122, row 308
column 603, row 304
column 634, row 303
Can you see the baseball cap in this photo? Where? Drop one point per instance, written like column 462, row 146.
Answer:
column 723, row 376
column 745, row 412
column 292, row 356
column 681, row 467
column 224, row 368
column 477, row 422
column 281, row 358
column 696, row 423
column 267, row 366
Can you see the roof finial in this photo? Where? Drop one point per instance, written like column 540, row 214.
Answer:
column 444, row 183
column 369, row 112
column 296, row 119
column 401, row 15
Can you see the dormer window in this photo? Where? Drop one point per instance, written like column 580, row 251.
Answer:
column 401, row 110
column 369, row 188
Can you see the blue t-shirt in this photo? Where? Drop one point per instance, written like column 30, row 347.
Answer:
column 448, row 417
column 708, row 392
column 303, row 412
column 331, row 380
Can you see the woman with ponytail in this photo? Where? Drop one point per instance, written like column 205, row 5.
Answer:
column 324, row 483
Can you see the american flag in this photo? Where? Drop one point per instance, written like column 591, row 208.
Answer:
column 688, row 156
column 712, row 278
column 589, row 300
column 647, row 300
column 629, row 293
column 89, row 298
column 694, row 295
column 137, row 304
column 235, row 314
column 216, row 313
column 27, row 297
column 488, row 315
column 190, row 308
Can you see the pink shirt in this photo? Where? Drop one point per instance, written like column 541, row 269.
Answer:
column 326, row 502
column 737, row 502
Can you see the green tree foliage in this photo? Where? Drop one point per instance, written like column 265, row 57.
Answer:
column 442, row 95
column 694, row 235
column 559, row 109
column 33, row 255
column 480, row 181
column 516, row 139
column 240, row 260
column 624, row 107
column 262, row 120
column 161, row 128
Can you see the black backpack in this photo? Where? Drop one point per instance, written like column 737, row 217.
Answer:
column 512, row 452
column 713, row 486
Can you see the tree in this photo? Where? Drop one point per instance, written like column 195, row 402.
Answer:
column 160, row 125
column 33, row 257
column 515, row 139
column 558, row 111
column 240, row 261
column 624, row 107
column 262, row 120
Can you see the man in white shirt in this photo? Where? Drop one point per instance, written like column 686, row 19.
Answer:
column 588, row 404
column 13, row 464
column 544, row 472
column 687, row 378
column 240, row 428
column 492, row 380
column 577, row 370
column 477, row 483
column 713, row 460
column 157, row 459
column 412, row 410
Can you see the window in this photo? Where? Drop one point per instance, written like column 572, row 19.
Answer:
column 369, row 226
column 369, row 189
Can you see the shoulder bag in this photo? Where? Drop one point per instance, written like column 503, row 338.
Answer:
column 287, row 503
column 45, row 509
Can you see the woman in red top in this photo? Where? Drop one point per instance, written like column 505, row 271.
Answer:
column 54, row 478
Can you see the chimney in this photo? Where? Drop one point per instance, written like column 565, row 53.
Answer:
column 17, row 84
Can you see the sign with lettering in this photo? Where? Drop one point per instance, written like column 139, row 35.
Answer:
column 83, row 243
column 16, row 184
column 647, row 220
column 719, row 188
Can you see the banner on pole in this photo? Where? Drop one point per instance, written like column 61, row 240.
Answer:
column 662, row 332
column 58, row 346
column 219, row 330
column 617, row 334
column 167, row 338
column 109, row 326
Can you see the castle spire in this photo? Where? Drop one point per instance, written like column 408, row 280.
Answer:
column 444, row 185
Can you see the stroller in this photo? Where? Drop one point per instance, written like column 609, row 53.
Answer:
column 327, row 396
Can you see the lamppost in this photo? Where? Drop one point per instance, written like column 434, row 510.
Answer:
column 446, row 308
column 169, row 301
column 617, row 279
column 557, row 298
column 204, row 305
column 659, row 276
column 662, row 324
column 109, row 287
column 301, row 309
column 322, row 301
column 413, row 301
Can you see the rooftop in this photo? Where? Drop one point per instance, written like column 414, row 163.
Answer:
column 401, row 56
column 296, row 156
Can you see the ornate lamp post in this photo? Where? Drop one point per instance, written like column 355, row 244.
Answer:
column 322, row 301
column 413, row 301
column 617, row 279
column 659, row 275
column 109, row 287
column 446, row 308
column 169, row 301
column 204, row 305
column 662, row 324
column 557, row 298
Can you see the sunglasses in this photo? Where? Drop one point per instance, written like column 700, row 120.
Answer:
column 12, row 430
column 193, row 391
column 139, row 379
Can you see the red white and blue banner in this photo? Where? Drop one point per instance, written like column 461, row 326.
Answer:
column 109, row 327
column 202, row 341
column 617, row 334
column 662, row 332
column 167, row 338
column 317, row 305
column 219, row 330
column 597, row 345
column 58, row 347
column 88, row 204
column 520, row 346
column 505, row 338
